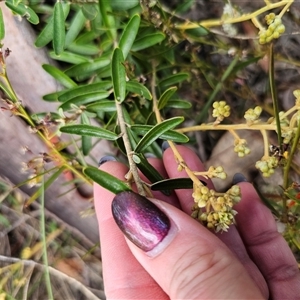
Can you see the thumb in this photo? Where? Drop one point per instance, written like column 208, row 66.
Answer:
column 183, row 257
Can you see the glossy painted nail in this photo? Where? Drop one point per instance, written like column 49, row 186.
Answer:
column 106, row 158
column 165, row 145
column 239, row 177
column 142, row 222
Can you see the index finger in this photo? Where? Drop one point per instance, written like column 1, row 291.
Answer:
column 118, row 261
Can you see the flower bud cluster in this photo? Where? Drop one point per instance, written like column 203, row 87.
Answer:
column 288, row 134
column 284, row 121
column 252, row 114
column 274, row 30
column 267, row 165
column 240, row 147
column 217, row 172
column 218, row 213
column 296, row 93
column 221, row 110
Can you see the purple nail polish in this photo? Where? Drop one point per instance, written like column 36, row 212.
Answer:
column 140, row 220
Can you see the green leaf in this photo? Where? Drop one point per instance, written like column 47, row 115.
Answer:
column 147, row 41
column 177, row 103
column 69, row 57
column 85, row 89
column 184, row 6
column 59, row 33
column 147, row 169
column 129, row 34
column 88, row 67
column 106, row 180
column 46, row 35
column 197, row 32
column 86, row 141
column 170, row 135
column 108, row 19
column 24, row 11
column 59, row 76
column 164, row 98
column 2, row 28
column 103, row 106
column 52, row 97
column 84, row 99
column 174, row 79
column 81, row 129
column 90, row 10
column 123, row 5
column 84, row 49
column 173, row 184
column 139, row 89
column 118, row 73
column 76, row 26
column 156, row 131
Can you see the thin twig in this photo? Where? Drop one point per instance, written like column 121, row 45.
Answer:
column 132, row 166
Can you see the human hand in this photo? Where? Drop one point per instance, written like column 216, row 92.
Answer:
column 182, row 259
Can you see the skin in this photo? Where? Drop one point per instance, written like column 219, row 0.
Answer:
column 251, row 261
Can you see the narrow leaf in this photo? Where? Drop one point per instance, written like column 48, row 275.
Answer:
column 177, row 103
column 148, row 170
column 108, row 19
column 69, row 57
column 102, row 106
column 129, row 34
column 53, row 96
column 85, row 89
column 84, row 49
column 46, row 35
column 156, row 132
column 147, row 41
column 170, row 135
column 59, row 33
column 84, row 99
column 137, row 88
column 90, row 10
column 76, row 26
column 118, row 75
column 174, row 184
column 88, row 67
column 86, row 141
column 81, row 129
column 164, row 98
column 174, row 79
column 24, row 11
column 106, row 180
column 124, row 5
column 2, row 28
column 59, row 76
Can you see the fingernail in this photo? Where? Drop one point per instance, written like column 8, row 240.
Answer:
column 106, row 158
column 239, row 177
column 142, row 222
column 150, row 155
column 165, row 145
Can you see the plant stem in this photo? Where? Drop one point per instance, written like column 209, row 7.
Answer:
column 132, row 166
column 274, row 94
column 244, row 17
column 266, row 143
column 44, row 243
column 204, row 127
